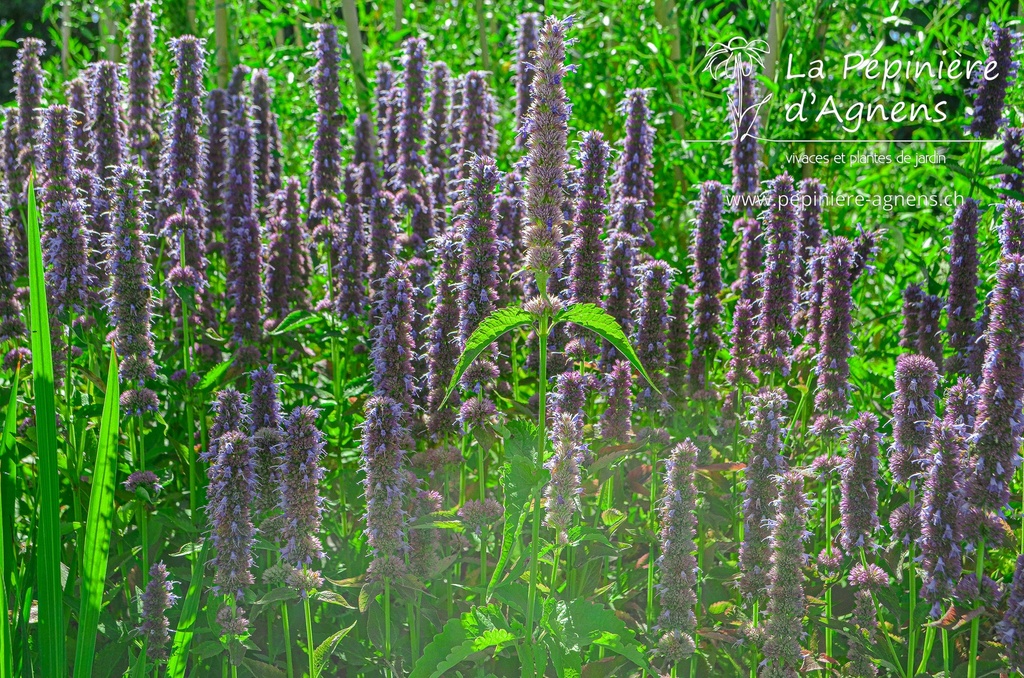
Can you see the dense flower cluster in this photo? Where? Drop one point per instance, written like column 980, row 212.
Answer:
column 264, row 180
column 809, row 196
column 325, row 177
column 652, row 321
column 913, row 411
column 301, row 472
column 678, row 342
column 1011, row 628
column 437, row 149
column 442, row 351
column 29, row 83
column 858, row 507
column 748, row 283
column 634, row 172
column 618, row 390
column 526, row 43
column 107, row 136
column 746, row 126
column 409, row 172
column 963, row 284
column 778, row 299
column 561, row 496
column 157, row 599
column 286, row 286
column 929, row 338
column 677, row 564
column 385, row 441
column 910, row 329
column 706, row 272
column 1011, row 230
column 991, row 82
column 586, row 274
column 833, row 368
column 393, row 347
column 941, row 558
column 1013, row 156
column 143, row 107
column 230, row 495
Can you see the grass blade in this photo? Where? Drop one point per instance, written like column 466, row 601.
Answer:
column 98, row 524
column 48, row 544
column 189, row 611
column 7, row 447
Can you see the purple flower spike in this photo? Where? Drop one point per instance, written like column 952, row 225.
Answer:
column 29, row 84
column 77, row 94
column 929, row 338
column 766, row 438
column 546, row 128
column 420, row 276
column 476, row 124
column 1011, row 231
column 620, row 287
column 325, row 180
column 301, row 473
column 779, row 297
column 865, row 249
column 410, row 159
column 383, row 231
column 651, row 335
column 362, row 141
column 997, row 429
column 263, row 132
column 438, row 151
column 746, row 127
column 786, row 602
column 813, row 296
column 349, row 251
column 677, row 564
column 230, row 495
column 910, row 330
column 215, row 177
column 810, row 196
column 561, row 495
column 385, row 441
column 678, row 343
column 1013, row 156
column 1011, row 629
column 858, row 505
column 634, row 174
column 526, row 44
column 424, row 544
column 913, row 413
column 12, row 324
column 991, row 82
column 143, row 104
column 741, row 358
column 962, row 304
column 385, row 81
column 130, row 295
column 586, row 275
column 230, row 413
column 107, row 143
column 392, row 337
column 421, row 220
column 443, row 350
column 266, row 437
column 618, row 391
column 156, row 600
column 751, row 258
column 941, row 558
column 65, row 241
column 833, row 369
column 286, row 287
column 707, row 280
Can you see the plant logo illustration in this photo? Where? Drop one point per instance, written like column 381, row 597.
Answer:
column 735, row 59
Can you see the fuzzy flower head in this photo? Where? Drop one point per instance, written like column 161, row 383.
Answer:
column 29, row 88
column 301, row 472
column 230, row 494
column 652, row 321
column 130, row 293
column 480, row 253
column 620, row 286
column 677, row 564
column 230, row 413
column 910, row 329
column 858, row 507
column 833, row 369
column 706, row 272
column 156, row 600
column 586, row 274
column 326, row 174
column 1011, row 629
column 1013, row 156
column 997, row 430
column 476, row 124
column 12, row 323
column 751, row 258
column 385, row 441
column 1011, row 229
column 546, row 127
column 480, row 515
column 437, row 149
column 741, row 356
column 746, row 126
column 941, row 557
column 264, row 178
column 410, row 127
column 913, row 412
column 526, row 44
column 810, row 197
column 678, row 343
column 991, row 82
column 442, row 351
column 393, row 348
column 561, row 496
column 929, row 338
column 778, row 302
column 962, row 304
column 634, row 175
column 618, row 391
column 766, row 438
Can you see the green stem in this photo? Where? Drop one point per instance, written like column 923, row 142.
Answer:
column 480, row 472
column 828, row 550
column 912, row 581
column 945, row 653
column 310, row 648
column 653, row 525
column 483, row 563
column 926, row 649
column 881, row 625
column 542, row 341
column 754, row 619
column 387, row 620
column 979, row 570
column 287, row 631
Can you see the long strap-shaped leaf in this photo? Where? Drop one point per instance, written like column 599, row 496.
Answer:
column 187, row 623
column 597, row 320
column 51, row 613
column 493, row 326
column 98, row 525
column 7, row 447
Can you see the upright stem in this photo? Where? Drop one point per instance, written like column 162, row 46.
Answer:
column 912, row 580
column 542, row 342
column 309, row 635
column 979, row 570
column 653, row 524
column 387, row 620
column 483, row 562
column 945, row 653
column 828, row 550
column 287, row 631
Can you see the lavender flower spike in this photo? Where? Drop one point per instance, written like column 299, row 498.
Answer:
column 634, row 171
column 618, row 389
column 942, row 562
column 913, row 411
column 263, row 122
column 286, row 287
column 130, row 294
column 741, row 357
column 652, row 322
column 996, row 441
column 910, row 330
column 385, row 441
column 1013, row 156
column 325, row 180
column 1011, row 629
column 12, row 324
column 751, row 258
column 561, row 496
column 349, row 252
column 392, row 337
column 833, row 369
column 230, row 496
column 301, row 472
column 266, row 437
column 707, row 281
column 29, row 82
column 809, row 217
column 620, row 288
column 746, row 127
column 962, row 304
column 442, row 351
column 991, row 82
column 143, row 108
column 215, row 176
column 526, row 43
column 547, row 129
column 766, row 440
column 156, row 600
column 779, row 298
column 677, row 563
column 230, row 413
column 437, row 149
column 678, row 343
column 858, row 506
column 107, row 135
column 411, row 163
column 586, row 275
column 1011, row 231
column 929, row 338
column 476, row 127
column 783, row 656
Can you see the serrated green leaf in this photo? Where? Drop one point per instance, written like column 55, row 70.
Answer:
column 324, row 651
column 493, row 326
column 479, row 629
column 597, row 320
column 261, row 669
column 213, row 376
column 581, row 623
column 294, row 321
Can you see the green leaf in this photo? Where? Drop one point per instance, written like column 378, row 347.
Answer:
column 581, row 623
column 186, row 624
column 211, row 378
column 322, row 653
column 48, row 544
column 597, row 320
column 261, row 669
column 493, row 326
column 294, row 321
column 7, row 447
column 479, row 629
column 98, row 525
column 520, row 478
